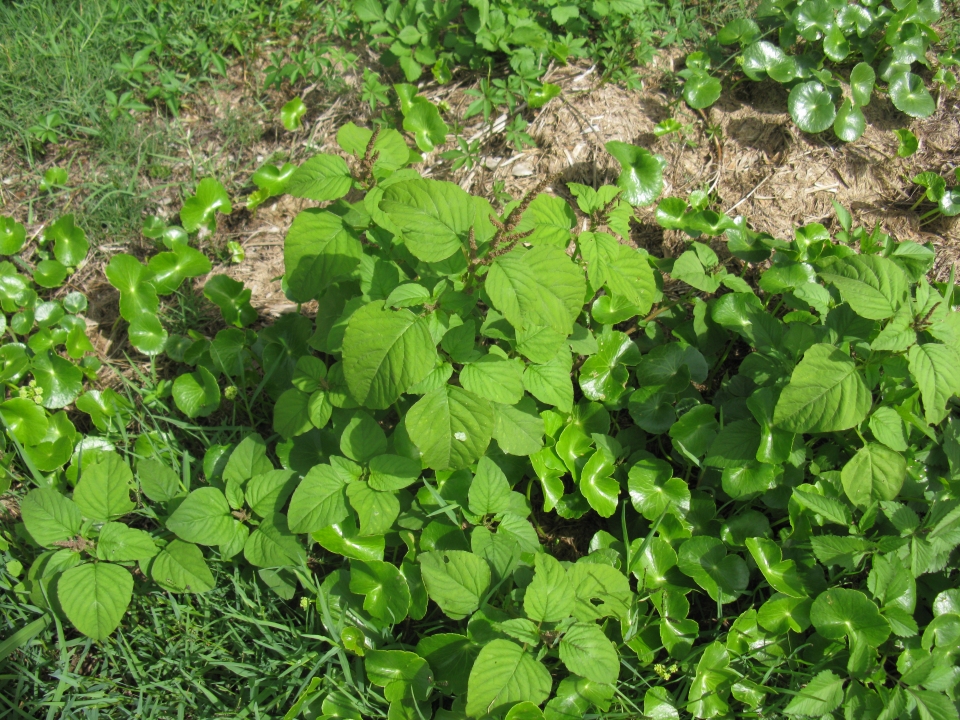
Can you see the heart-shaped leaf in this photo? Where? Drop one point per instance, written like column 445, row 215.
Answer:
column 641, row 176
column 910, row 95
column 908, row 142
column 862, row 79
column 850, row 122
column 201, row 208
column 232, row 298
column 12, row 236
column 291, row 114
column 197, row 394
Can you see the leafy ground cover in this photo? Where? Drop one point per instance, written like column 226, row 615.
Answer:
column 499, row 459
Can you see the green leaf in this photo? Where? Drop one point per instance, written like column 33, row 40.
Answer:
column 319, row 249
column 50, row 273
column 435, row 218
column 549, row 597
column 319, row 501
column 825, row 393
column 600, row 490
column 704, row 558
column 196, row 394
column 456, row 580
column 201, row 208
column 875, row 287
column 291, row 113
column 103, row 493
column 342, row 539
column 537, row 287
column 494, row 378
column 518, row 429
column 232, row 298
column 291, row 414
column 909, row 95
column 95, row 596
column 936, row 369
column 908, row 143
column 811, row 107
column 203, row 517
column 654, row 490
column 623, row 270
column 376, row 510
column 170, row 269
column 451, row 427
column 362, row 438
column 386, row 595
column 321, row 178
column 850, row 123
column 267, row 493
column 70, row 242
column 273, row 545
column 12, row 236
column 693, row 434
column 537, row 98
column 489, row 492
column 822, row 695
column 601, row 590
column 180, row 567
column 551, row 383
column 450, row 656
column 392, row 472
column 50, row 517
column 551, row 219
column 147, row 334
column 524, row 710
column 400, row 674
column 701, row 90
column 421, row 117
column 932, row 705
column 587, row 652
column 875, row 473
column 119, row 543
column 59, row 378
column 839, row 612
column 24, row 420
column 862, row 78
column 641, row 176
column 781, row 574
column 504, row 674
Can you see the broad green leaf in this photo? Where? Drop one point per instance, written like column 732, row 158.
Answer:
column 811, row 107
column 384, row 353
column 203, row 517
column 180, row 567
column 12, row 236
column 524, row 711
column 196, row 394
column 887, row 427
column 70, row 244
column 862, row 78
column 321, row 178
column 320, row 248
column 936, row 369
column 601, row 590
column 781, row 574
column 825, row 393
column 504, row 674
column 386, row 595
column 376, row 510
column 875, row 473
column 392, row 472
column 550, row 383
column 873, row 286
column 623, row 270
column 291, row 414
column 641, row 176
column 119, row 543
column 850, row 123
column 494, row 378
column 400, row 674
column 291, row 113
column 24, row 420
column 587, row 652
column 518, row 429
column 910, row 95
column 319, row 501
column 201, row 208
column 50, row 273
column 537, row 287
column 598, row 487
column 59, row 378
column 232, row 298
column 456, row 580
column 342, row 539
column 451, row 427
column 489, row 492
column 707, row 695
column 701, row 90
column 434, row 218
column 652, row 565
column 654, row 490
column 421, row 117
column 693, row 433
column 724, row 577
column 840, row 612
column 50, row 517
column 170, row 269
column 549, row 597
column 362, row 438
column 829, row 508
column 147, row 334
column 103, row 493
column 450, row 656
column 822, row 695
column 95, row 596
column 267, row 493
column 551, row 219
column 273, row 545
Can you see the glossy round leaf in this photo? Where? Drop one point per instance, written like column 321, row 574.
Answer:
column 910, row 95
column 641, row 176
column 850, row 122
column 811, row 107
column 701, row 90
column 196, row 394
column 862, row 79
